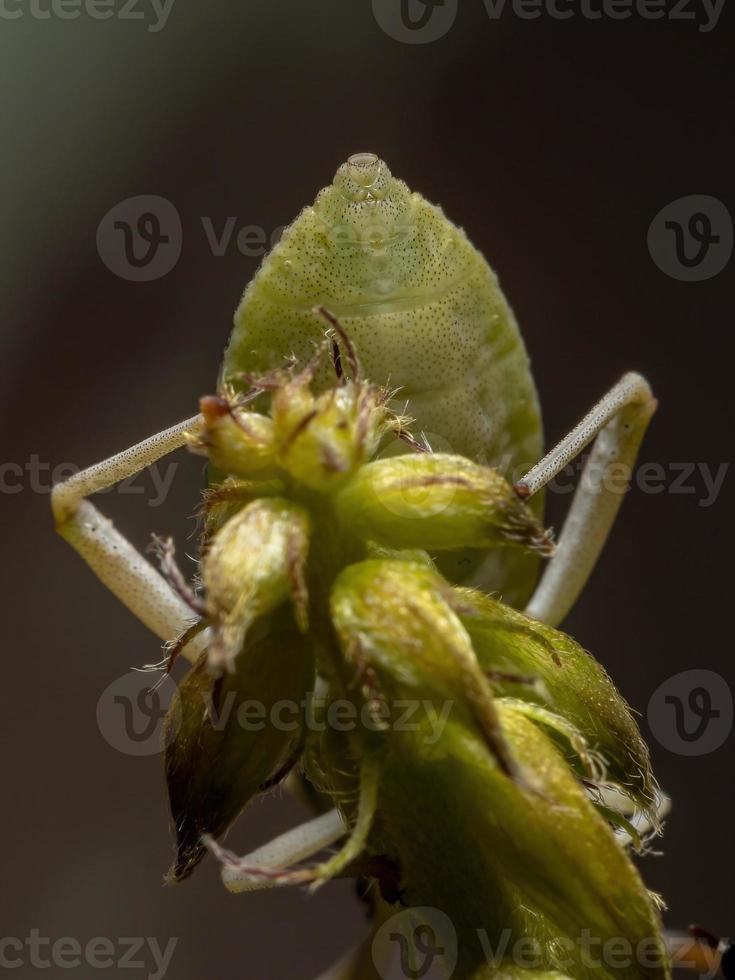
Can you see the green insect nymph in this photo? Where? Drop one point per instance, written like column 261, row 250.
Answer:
column 372, row 538
column 427, row 315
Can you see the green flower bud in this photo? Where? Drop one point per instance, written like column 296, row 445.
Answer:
column 223, row 499
column 511, row 865
column 464, row 772
column 224, row 738
column 527, row 857
column 573, row 684
column 438, row 501
column 237, row 442
column 395, row 626
column 254, row 563
column 321, row 441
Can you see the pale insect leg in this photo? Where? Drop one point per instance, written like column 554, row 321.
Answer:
column 111, row 557
column 308, row 838
column 281, row 853
column 619, row 421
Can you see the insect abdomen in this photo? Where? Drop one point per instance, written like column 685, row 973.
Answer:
column 426, row 315
column 454, row 351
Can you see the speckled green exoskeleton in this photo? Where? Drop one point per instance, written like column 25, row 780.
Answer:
column 420, row 303
column 427, row 316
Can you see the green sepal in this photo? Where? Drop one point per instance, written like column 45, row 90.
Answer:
column 502, row 861
column 254, row 563
column 438, row 501
column 224, row 740
column 574, row 685
column 238, row 442
column 403, row 640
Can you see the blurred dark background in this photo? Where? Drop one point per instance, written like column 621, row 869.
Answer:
column 555, row 143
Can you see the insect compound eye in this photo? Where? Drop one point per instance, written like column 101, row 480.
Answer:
column 363, row 167
column 363, row 178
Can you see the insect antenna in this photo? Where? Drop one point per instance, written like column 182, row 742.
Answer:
column 269, row 381
column 177, row 646
column 399, row 425
column 351, row 357
column 337, row 361
column 418, row 447
column 164, row 550
column 305, row 376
